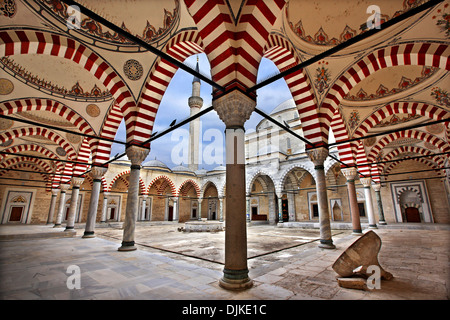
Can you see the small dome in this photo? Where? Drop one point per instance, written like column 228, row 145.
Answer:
column 219, row 168
column 200, row 172
column 155, row 163
column 286, row 105
column 181, row 168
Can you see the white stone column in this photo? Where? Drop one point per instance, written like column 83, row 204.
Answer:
column 104, row 206
column 62, row 204
column 144, row 206
column 136, row 155
column 97, row 173
column 221, row 209
column 199, row 208
column 175, row 209
column 76, row 183
column 280, row 208
column 368, row 195
column 318, row 157
column 350, row 174
column 377, row 187
column 247, row 209
column 234, row 109
column 51, row 211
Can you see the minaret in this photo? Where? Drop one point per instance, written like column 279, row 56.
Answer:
column 195, row 103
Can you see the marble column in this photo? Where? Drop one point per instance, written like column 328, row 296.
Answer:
column 199, row 209
column 104, row 207
column 367, row 182
column 318, row 156
column 175, row 209
column 377, row 187
column 136, row 155
column 62, row 204
column 234, row 109
column 247, row 209
column 51, row 211
column 280, row 208
column 76, row 183
column 144, row 206
column 97, row 173
column 221, row 209
column 350, row 174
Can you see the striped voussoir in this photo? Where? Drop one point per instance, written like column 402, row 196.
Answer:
column 437, row 142
column 166, row 182
column 234, row 49
column 17, row 42
column 139, row 123
column 346, row 154
column 182, row 189
column 283, row 55
column 438, row 160
column 426, row 54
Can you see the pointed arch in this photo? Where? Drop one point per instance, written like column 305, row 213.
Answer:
column 31, row 131
column 428, row 54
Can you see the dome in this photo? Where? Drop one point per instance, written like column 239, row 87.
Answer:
column 200, row 172
column 286, row 105
column 219, row 168
column 155, row 163
column 181, row 168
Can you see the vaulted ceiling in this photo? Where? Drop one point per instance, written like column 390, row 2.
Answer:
column 56, row 80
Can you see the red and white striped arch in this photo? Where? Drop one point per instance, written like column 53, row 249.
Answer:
column 26, row 166
column 361, row 161
column 428, row 54
column 37, row 163
column 101, row 149
column 33, row 131
column 442, row 145
column 412, row 149
column 166, row 182
column 283, row 55
column 18, row 42
column 140, row 122
column 184, row 185
column 429, row 163
column 121, row 176
column 415, row 108
column 20, row 105
column 346, row 153
column 234, row 51
column 36, row 148
column 84, row 154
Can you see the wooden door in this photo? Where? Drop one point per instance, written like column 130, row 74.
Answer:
column 112, row 215
column 284, row 210
column 170, row 214
column 412, row 214
column 16, row 214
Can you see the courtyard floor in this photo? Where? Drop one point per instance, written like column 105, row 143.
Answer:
column 284, row 263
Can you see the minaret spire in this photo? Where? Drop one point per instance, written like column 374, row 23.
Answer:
column 195, row 103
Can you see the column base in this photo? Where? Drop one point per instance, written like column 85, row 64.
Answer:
column 88, row 234
column 326, row 244
column 57, row 226
column 127, row 246
column 357, row 232
column 382, row 222
column 235, row 280
column 373, row 226
column 68, row 229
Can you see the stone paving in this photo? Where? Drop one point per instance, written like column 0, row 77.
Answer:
column 284, row 263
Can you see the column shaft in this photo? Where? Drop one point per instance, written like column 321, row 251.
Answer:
column 73, row 208
column 51, row 211
column 350, row 174
column 136, row 155
column 93, row 206
column 377, row 187
column 104, row 206
column 62, row 205
column 368, row 195
column 318, row 157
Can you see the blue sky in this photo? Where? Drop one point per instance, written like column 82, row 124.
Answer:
column 174, row 105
